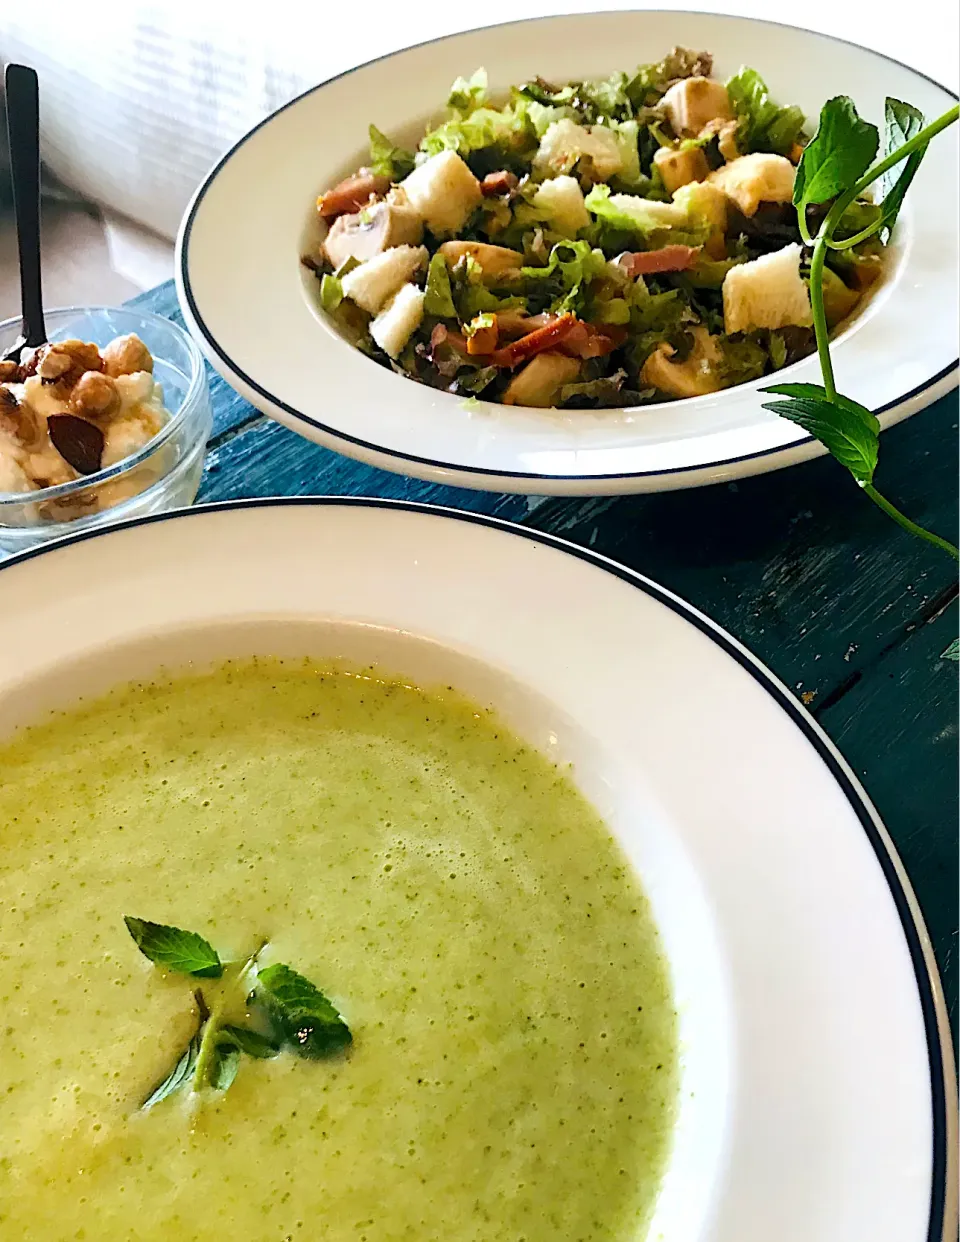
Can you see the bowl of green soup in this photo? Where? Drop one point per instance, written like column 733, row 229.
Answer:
column 333, row 909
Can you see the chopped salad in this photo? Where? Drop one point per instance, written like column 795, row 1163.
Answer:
column 595, row 244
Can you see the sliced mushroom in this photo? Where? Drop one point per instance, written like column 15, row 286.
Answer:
column 371, row 231
column 694, row 377
column 540, row 381
column 495, row 262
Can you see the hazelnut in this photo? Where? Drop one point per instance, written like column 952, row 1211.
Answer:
column 95, row 395
column 126, row 355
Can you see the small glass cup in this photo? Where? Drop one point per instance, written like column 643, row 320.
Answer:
column 164, row 474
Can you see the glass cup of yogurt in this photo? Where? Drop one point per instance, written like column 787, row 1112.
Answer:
column 109, row 422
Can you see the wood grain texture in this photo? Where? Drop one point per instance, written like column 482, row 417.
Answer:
column 848, row 611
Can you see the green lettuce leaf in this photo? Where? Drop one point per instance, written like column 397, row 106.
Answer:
column 604, row 392
column 649, row 82
column 572, row 264
column 438, row 296
column 742, row 358
column 858, row 216
column 331, row 292
column 627, row 134
column 477, row 381
column 387, row 160
column 710, row 273
column 655, row 312
column 638, row 217
column 540, row 116
column 468, row 94
column 764, row 126
column 606, row 97
column 484, row 127
column 540, row 92
column 473, row 298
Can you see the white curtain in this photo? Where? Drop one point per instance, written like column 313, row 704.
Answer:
column 139, row 99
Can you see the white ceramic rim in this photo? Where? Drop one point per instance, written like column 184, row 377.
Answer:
column 940, row 1171
column 392, row 423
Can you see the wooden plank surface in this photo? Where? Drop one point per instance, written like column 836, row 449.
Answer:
column 847, row 610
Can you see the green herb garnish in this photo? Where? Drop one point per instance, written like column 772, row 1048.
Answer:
column 185, row 952
column 179, row 1076
column 296, row 1014
column 837, row 168
column 304, row 1017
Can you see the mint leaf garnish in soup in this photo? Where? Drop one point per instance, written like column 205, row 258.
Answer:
column 224, row 1065
column 182, row 951
column 306, row 1019
column 178, row 1077
column 253, row 1043
column 296, row 1013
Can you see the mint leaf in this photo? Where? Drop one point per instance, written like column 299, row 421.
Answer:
column 848, row 430
column 251, row 1042
column 178, row 1077
column 178, row 950
column 817, row 392
column 840, row 152
column 903, row 122
column 952, row 652
column 303, row 1015
column 224, row 1065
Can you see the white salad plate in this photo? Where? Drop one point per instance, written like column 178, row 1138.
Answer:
column 817, row 1098
column 253, row 308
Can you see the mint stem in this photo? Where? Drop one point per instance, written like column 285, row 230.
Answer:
column 901, row 153
column 214, row 1021
column 201, row 1071
column 912, row 527
column 820, row 327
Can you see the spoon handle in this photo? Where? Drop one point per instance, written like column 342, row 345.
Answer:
column 23, row 132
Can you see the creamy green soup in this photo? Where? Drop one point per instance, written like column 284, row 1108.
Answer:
column 513, row 1071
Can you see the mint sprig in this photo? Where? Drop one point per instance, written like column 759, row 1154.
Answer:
column 296, row 1014
column 837, row 168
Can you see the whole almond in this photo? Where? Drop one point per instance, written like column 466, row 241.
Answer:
column 79, row 443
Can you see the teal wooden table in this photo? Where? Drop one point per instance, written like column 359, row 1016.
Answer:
column 840, row 604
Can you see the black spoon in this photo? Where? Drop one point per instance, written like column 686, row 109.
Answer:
column 23, row 133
